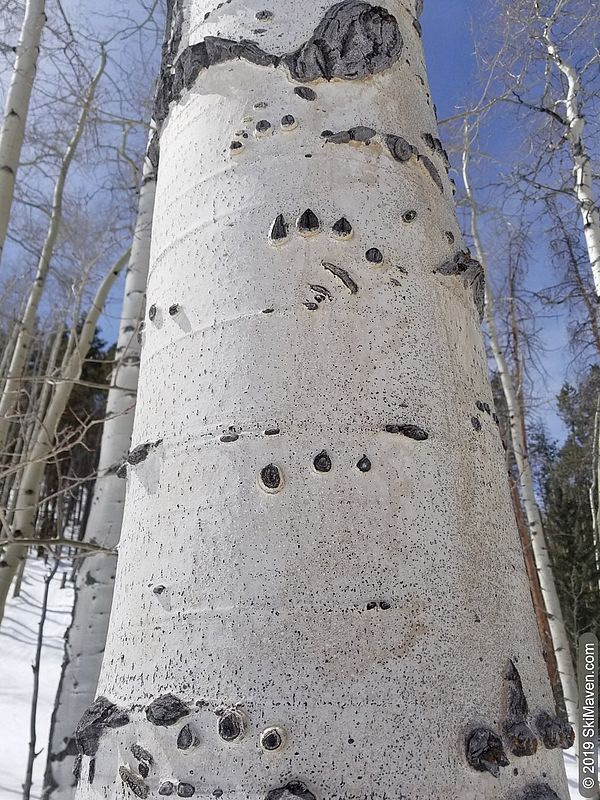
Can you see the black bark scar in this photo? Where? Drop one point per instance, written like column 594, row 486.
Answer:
column 342, row 275
column 353, row 40
column 102, row 714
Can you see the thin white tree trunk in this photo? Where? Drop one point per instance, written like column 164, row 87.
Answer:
column 17, row 106
column 558, row 631
column 86, row 637
column 582, row 163
column 320, row 589
column 31, row 481
column 10, row 392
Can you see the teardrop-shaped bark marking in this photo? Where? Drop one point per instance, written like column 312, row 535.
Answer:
column 166, row 788
column 485, row 752
column 232, row 726
column 308, row 223
column 272, row 739
column 235, row 147
column 305, row 93
column 322, row 462
column 279, row 230
column 152, row 312
column 554, row 732
column 364, row 465
column 174, row 309
column 291, row 791
column 341, row 229
column 133, row 782
column 187, row 738
column 166, row 710
column 476, row 423
column 226, row 438
column 342, row 275
column 410, row 431
column 185, row 790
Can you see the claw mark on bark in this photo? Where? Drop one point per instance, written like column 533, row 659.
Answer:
column 342, row 275
column 485, row 752
column 341, row 229
column 100, row 716
column 471, row 269
column 554, row 732
column 291, row 790
column 308, row 223
column 133, row 782
column 166, row 710
column 431, row 169
column 279, row 230
column 410, row 431
column 522, row 740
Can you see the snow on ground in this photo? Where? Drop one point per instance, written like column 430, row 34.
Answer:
column 18, row 635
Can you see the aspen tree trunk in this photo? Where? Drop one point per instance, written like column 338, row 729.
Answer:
column 86, row 637
column 10, row 392
column 517, row 428
column 582, row 163
column 320, row 590
column 17, row 106
column 31, row 481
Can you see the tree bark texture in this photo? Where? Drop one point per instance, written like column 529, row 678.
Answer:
column 320, row 590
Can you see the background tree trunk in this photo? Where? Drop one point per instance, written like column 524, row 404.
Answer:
column 86, row 637
column 320, row 588
column 17, row 106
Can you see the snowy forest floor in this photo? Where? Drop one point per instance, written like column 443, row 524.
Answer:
column 18, row 638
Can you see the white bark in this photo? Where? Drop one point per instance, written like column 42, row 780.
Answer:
column 17, row 106
column 582, row 164
column 541, row 556
column 41, row 449
column 86, row 637
column 370, row 614
column 10, row 392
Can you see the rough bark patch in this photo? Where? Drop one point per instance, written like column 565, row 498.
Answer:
column 353, row 40
column 290, row 791
column 344, row 276
column 100, row 716
column 485, row 752
column 554, row 732
column 471, row 269
column 539, row 791
column 166, row 710
column 133, row 782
